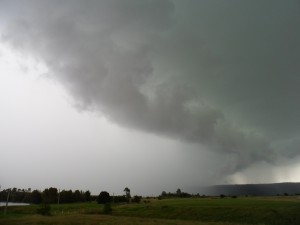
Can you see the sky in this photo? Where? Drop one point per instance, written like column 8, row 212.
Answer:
column 151, row 94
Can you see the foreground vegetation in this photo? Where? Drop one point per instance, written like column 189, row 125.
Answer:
column 204, row 211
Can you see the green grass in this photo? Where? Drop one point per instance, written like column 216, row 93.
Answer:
column 203, row 211
column 83, row 219
column 273, row 211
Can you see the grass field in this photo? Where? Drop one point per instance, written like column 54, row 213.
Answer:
column 202, row 211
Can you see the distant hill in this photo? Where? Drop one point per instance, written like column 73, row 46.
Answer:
column 250, row 189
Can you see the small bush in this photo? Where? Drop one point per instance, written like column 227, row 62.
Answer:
column 44, row 210
column 107, row 208
column 119, row 199
column 136, row 199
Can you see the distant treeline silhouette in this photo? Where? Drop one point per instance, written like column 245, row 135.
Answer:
column 52, row 195
column 178, row 193
column 49, row 195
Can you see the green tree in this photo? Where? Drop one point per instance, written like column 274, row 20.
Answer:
column 77, row 196
column 50, row 195
column 66, row 196
column 127, row 192
column 36, row 197
column 87, row 196
column 103, row 197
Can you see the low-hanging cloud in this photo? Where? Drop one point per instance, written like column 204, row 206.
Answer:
column 224, row 74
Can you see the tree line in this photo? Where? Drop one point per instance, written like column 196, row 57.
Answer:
column 105, row 198
column 49, row 195
column 53, row 195
column 178, row 194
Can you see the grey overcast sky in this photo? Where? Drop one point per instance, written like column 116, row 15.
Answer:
column 150, row 94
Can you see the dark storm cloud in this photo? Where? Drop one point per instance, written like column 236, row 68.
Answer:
column 220, row 73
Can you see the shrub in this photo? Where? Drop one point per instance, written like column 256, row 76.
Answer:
column 44, row 210
column 136, row 199
column 107, row 208
column 119, row 199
